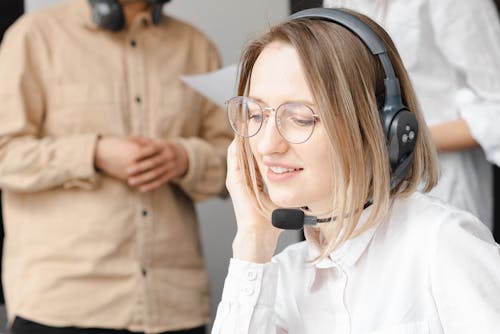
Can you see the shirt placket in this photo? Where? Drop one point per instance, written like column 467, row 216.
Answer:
column 146, row 314
column 337, row 287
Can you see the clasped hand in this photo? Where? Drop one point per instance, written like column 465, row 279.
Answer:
column 144, row 163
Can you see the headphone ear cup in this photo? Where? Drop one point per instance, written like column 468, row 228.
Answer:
column 108, row 14
column 156, row 11
column 402, row 137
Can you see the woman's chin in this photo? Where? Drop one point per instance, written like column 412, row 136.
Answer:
column 286, row 202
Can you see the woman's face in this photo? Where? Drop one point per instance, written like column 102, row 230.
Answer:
column 296, row 175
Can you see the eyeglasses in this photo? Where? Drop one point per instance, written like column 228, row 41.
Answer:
column 295, row 121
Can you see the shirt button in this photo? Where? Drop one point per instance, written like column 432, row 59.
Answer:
column 138, row 99
column 133, row 43
column 247, row 290
column 251, row 275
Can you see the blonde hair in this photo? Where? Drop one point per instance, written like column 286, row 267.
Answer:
column 345, row 79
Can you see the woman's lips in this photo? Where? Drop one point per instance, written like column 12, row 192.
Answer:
column 281, row 173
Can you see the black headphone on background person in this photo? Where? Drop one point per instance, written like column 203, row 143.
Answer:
column 108, row 14
column 400, row 126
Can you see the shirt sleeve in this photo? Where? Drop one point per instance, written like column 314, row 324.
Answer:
column 207, row 152
column 465, row 276
column 28, row 160
column 467, row 33
column 248, row 299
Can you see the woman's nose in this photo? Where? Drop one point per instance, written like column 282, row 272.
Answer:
column 269, row 138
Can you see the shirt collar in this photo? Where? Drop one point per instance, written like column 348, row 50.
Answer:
column 344, row 257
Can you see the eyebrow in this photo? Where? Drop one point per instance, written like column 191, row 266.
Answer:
column 308, row 103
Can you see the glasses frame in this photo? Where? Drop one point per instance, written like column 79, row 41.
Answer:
column 272, row 110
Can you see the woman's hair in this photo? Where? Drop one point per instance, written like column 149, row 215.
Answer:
column 345, row 80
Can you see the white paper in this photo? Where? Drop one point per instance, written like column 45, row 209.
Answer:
column 217, row 86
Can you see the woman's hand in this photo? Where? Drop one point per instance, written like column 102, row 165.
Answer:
column 256, row 238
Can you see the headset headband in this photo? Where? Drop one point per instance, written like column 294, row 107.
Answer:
column 365, row 34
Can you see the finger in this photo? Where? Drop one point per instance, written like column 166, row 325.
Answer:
column 148, row 176
column 158, row 182
column 145, row 165
column 171, row 174
column 232, row 158
column 139, row 139
column 169, row 151
column 258, row 176
column 234, row 180
column 147, row 151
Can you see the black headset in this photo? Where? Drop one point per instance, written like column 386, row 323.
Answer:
column 400, row 126
column 108, row 14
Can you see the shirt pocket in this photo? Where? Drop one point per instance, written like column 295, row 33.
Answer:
column 419, row 327
column 76, row 108
column 178, row 111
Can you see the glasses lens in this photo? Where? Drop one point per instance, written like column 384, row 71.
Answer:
column 245, row 116
column 295, row 122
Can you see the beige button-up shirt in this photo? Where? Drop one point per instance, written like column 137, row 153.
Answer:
column 82, row 248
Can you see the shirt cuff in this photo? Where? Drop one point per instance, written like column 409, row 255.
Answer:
column 250, row 284
column 195, row 161
column 84, row 174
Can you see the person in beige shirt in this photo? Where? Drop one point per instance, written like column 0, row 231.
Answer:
column 103, row 151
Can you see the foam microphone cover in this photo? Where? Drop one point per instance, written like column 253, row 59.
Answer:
column 288, row 219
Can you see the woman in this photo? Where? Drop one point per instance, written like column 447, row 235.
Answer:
column 451, row 50
column 385, row 258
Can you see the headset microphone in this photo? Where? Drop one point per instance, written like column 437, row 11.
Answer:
column 294, row 219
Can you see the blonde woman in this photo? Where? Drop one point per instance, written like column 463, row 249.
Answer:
column 314, row 120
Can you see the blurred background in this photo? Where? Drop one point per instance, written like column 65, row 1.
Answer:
column 246, row 19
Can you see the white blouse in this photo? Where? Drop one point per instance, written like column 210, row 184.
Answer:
column 427, row 269
column 451, row 49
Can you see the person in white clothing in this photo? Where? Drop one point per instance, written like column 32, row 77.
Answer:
column 451, row 50
column 329, row 131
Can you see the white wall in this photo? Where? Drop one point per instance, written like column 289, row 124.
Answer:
column 31, row 5
column 230, row 24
